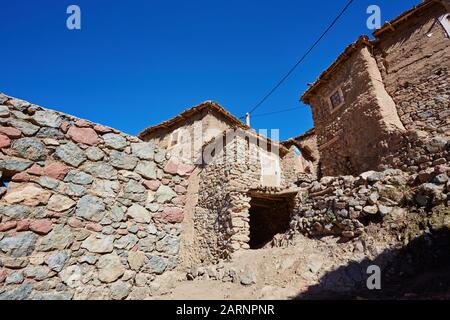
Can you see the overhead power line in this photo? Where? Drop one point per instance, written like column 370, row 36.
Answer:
column 272, row 113
column 302, row 58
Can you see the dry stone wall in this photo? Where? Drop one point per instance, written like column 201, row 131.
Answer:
column 344, row 205
column 86, row 212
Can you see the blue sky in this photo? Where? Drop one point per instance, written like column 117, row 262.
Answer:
column 136, row 63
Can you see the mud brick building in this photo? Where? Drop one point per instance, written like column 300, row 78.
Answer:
column 377, row 90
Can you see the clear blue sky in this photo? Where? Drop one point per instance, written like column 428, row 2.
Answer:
column 136, row 63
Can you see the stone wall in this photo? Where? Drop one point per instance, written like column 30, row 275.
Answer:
column 86, row 212
column 344, row 205
column 222, row 212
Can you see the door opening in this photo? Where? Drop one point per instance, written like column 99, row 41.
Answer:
column 269, row 216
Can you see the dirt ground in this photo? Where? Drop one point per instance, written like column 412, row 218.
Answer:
column 279, row 273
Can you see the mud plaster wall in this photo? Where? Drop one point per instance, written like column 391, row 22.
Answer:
column 89, row 212
column 415, row 64
column 353, row 137
column 194, row 133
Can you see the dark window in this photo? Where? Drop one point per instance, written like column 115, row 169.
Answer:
column 336, row 99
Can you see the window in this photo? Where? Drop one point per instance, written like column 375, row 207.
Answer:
column 336, row 99
column 445, row 21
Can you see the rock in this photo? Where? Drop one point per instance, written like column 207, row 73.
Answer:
column 71, row 154
column 436, row 144
column 25, row 127
column 56, row 260
column 152, row 185
column 74, row 190
column 60, row 203
column 136, row 259
column 29, row 194
column 117, row 214
column 139, row 214
column 71, row 276
column 5, row 142
column 160, row 156
column 7, row 226
column 47, row 119
column 30, row 148
column 14, row 165
column 10, row 132
column 171, row 166
column 440, row 179
column 139, row 293
column 56, row 170
column 88, row 259
column 101, row 170
column 185, row 169
column 370, row 210
column 164, row 194
column 78, row 177
column 384, row 210
column 86, row 136
column 52, row 296
column 3, row 275
column 143, row 150
column 21, row 177
column 120, row 290
column 122, row 161
column 110, row 268
column 38, row 273
column 14, row 278
column 105, row 188
column 59, row 238
column 373, row 198
column 15, row 263
column 21, row 292
column 50, row 133
column 15, row 212
column 94, row 154
column 4, row 112
column 248, row 278
column 19, row 245
column 170, row 215
column 43, row 226
column 115, row 141
column 156, row 264
column 126, row 242
column 47, row 182
column 102, row 129
column 146, row 169
column 90, row 208
column 98, row 244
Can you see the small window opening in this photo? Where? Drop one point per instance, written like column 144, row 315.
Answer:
column 336, row 99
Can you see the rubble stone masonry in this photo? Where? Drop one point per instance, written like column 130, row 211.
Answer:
column 86, row 212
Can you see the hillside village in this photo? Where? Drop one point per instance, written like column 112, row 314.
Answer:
column 204, row 202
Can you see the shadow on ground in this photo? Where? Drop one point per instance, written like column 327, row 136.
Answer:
column 419, row 270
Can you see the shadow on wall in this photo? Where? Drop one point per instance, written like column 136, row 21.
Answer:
column 420, row 270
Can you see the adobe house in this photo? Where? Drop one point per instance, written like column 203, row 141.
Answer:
column 376, row 90
column 238, row 195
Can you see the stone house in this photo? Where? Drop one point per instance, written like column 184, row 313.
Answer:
column 377, row 90
column 238, row 189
